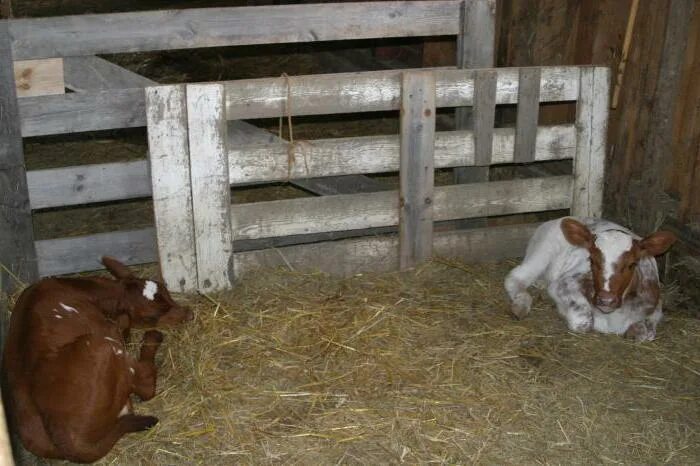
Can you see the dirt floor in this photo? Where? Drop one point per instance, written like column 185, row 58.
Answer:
column 417, row 368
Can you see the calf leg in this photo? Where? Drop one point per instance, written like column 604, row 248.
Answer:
column 537, row 259
column 645, row 330
column 145, row 370
column 572, row 304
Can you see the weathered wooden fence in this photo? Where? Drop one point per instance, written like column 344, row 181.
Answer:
column 192, row 168
column 51, row 54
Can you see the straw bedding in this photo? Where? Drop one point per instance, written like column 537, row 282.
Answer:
column 418, row 367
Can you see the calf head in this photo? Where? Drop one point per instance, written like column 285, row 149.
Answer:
column 614, row 255
column 147, row 302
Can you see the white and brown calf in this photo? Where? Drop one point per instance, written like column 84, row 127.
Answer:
column 601, row 276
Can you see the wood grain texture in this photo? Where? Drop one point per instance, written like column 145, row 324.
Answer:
column 89, row 73
column 528, row 114
column 416, row 170
column 211, row 194
column 39, row 77
column 371, row 210
column 263, row 161
column 591, row 125
column 17, row 253
column 218, row 27
column 484, row 115
column 169, row 159
column 264, row 98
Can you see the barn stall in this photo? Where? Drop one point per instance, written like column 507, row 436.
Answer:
column 419, row 366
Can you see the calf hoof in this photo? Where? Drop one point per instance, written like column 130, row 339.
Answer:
column 581, row 323
column 521, row 306
column 640, row 332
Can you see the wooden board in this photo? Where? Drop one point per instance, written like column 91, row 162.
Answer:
column 416, row 170
column 268, row 162
column 592, row 126
column 528, row 114
column 264, row 98
column 371, row 210
column 83, row 74
column 218, row 27
column 169, row 159
column 39, row 77
column 17, row 252
column 484, row 115
column 211, row 194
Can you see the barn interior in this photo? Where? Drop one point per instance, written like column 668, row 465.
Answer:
column 425, row 365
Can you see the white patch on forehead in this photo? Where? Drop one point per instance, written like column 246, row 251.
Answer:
column 68, row 308
column 149, row 290
column 612, row 244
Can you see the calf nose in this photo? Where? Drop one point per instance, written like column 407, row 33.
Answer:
column 607, row 299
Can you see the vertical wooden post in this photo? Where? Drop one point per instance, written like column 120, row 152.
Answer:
column 528, row 114
column 17, row 252
column 591, row 130
column 416, row 168
column 169, row 157
column 484, row 115
column 211, row 190
column 476, row 45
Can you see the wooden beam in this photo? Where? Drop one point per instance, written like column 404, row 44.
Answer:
column 169, row 158
column 484, row 116
column 476, row 48
column 89, row 73
column 17, row 253
column 268, row 162
column 416, row 171
column 528, row 113
column 219, row 27
column 211, row 193
column 264, row 98
column 591, row 127
column 39, row 77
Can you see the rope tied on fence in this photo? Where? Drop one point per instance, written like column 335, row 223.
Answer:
column 291, row 144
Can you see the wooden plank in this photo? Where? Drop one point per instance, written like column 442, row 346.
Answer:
column 264, row 98
column 528, row 113
column 218, row 27
column 83, row 74
column 591, row 125
column 371, row 210
column 476, row 48
column 39, row 77
column 268, row 163
column 416, row 170
column 17, row 252
column 172, row 191
column 211, row 194
column 379, row 254
column 484, row 115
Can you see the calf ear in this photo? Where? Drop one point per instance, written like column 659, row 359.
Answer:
column 576, row 233
column 657, row 243
column 117, row 269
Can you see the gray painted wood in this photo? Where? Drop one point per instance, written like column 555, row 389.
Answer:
column 476, row 48
column 211, row 193
column 484, row 115
column 169, row 159
column 528, row 114
column 217, row 27
column 264, row 98
column 89, row 73
column 17, row 252
column 591, row 125
column 267, row 162
column 416, row 170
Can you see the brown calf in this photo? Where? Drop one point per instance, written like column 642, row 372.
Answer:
column 67, row 374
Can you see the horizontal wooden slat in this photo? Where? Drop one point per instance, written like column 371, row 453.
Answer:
column 216, row 27
column 380, row 254
column 377, row 154
column 344, row 257
column 369, row 210
column 268, row 162
column 264, row 98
